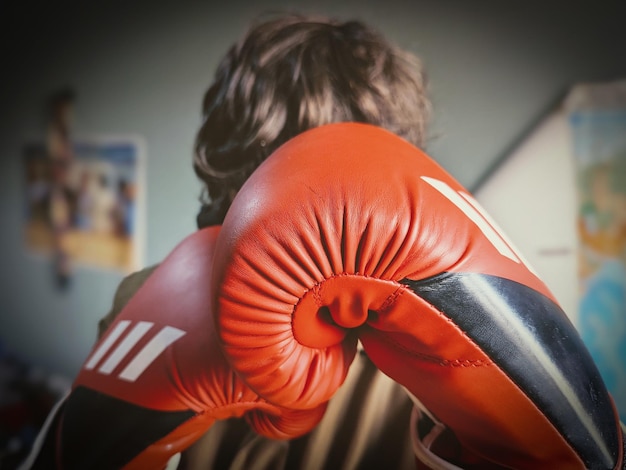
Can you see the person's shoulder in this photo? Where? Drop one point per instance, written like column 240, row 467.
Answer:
column 130, row 284
column 137, row 278
column 125, row 290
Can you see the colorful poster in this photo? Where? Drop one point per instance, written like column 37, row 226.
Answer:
column 89, row 207
column 597, row 117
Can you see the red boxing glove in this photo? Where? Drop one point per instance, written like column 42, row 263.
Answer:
column 349, row 230
column 157, row 379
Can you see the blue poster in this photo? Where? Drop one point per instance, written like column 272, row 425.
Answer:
column 598, row 125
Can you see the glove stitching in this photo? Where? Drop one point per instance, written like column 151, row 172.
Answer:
column 386, row 306
column 436, row 359
column 316, row 288
column 316, row 291
column 389, row 301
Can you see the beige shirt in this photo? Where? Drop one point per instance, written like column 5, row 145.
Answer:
column 366, row 424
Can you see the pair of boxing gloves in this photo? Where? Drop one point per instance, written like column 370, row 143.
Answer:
column 346, row 233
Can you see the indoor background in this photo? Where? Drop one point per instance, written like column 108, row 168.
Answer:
column 496, row 70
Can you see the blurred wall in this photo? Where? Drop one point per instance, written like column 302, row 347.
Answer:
column 533, row 198
column 141, row 68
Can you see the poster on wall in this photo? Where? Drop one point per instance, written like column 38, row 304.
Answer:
column 90, row 207
column 597, row 118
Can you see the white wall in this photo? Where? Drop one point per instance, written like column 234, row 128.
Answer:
column 532, row 197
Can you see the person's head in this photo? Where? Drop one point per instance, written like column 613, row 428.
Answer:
column 292, row 73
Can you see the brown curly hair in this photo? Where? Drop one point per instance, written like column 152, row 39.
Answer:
column 291, row 73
